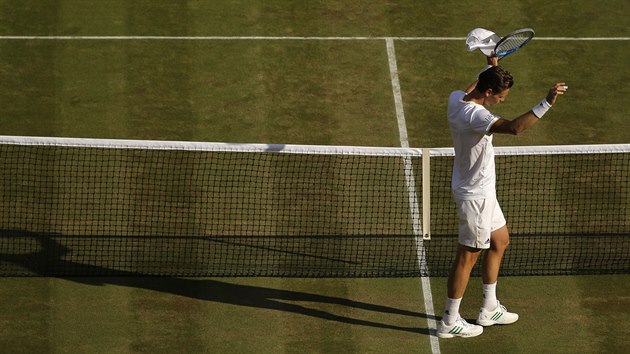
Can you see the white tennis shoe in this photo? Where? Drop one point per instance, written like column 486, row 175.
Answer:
column 460, row 328
column 500, row 315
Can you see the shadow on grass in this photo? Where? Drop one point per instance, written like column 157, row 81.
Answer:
column 50, row 258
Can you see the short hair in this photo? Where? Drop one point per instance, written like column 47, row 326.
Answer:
column 495, row 78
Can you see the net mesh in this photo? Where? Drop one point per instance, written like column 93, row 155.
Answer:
column 91, row 207
column 567, row 213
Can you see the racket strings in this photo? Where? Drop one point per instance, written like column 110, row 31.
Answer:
column 513, row 42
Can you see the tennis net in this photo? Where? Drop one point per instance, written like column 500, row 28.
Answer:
column 122, row 207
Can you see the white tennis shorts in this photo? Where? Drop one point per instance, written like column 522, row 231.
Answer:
column 477, row 220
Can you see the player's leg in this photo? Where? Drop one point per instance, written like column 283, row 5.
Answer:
column 458, row 278
column 452, row 324
column 499, row 242
column 459, row 275
column 492, row 312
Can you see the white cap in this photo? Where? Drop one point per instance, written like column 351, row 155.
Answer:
column 483, row 40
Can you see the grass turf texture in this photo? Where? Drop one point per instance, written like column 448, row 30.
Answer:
column 102, row 89
column 294, row 91
column 579, row 117
column 242, row 91
column 159, row 315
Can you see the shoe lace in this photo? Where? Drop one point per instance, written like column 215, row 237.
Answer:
column 503, row 308
column 463, row 322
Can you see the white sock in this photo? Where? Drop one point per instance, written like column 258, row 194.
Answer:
column 489, row 296
column 451, row 310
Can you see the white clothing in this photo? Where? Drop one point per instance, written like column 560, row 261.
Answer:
column 473, row 169
column 477, row 220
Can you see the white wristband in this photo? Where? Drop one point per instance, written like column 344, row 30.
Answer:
column 541, row 108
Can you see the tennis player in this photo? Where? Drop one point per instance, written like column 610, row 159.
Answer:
column 482, row 225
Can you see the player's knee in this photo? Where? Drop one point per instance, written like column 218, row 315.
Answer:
column 500, row 239
column 500, row 243
column 467, row 256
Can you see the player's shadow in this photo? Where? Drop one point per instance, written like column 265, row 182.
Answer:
column 50, row 258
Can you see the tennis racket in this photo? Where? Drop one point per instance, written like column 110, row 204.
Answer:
column 513, row 42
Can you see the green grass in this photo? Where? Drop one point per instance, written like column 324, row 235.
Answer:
column 582, row 314
column 161, row 315
column 296, row 91
column 315, row 18
column 235, row 91
column 330, row 92
column 580, row 117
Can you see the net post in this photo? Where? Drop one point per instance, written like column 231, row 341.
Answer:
column 426, row 194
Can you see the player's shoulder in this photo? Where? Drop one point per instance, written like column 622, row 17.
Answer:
column 457, row 95
column 455, row 100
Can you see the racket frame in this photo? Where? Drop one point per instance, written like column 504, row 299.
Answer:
column 510, row 35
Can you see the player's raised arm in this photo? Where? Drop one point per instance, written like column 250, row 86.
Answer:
column 527, row 120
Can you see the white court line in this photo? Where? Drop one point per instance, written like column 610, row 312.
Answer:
column 583, row 38
column 229, row 38
column 413, row 197
column 297, row 38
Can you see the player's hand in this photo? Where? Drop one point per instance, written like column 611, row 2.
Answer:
column 557, row 89
column 493, row 59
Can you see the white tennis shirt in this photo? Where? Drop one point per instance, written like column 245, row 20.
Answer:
column 473, row 169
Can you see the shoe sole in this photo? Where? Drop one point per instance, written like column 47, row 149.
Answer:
column 449, row 335
column 489, row 323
